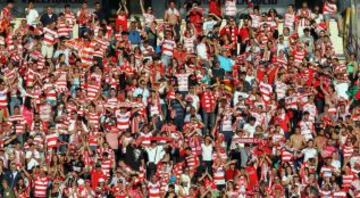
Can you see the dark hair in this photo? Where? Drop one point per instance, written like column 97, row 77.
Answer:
column 27, row 103
column 252, row 119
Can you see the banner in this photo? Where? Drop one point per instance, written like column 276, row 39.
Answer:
column 247, row 141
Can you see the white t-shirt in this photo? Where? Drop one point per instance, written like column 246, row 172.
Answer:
column 155, row 154
column 32, row 16
column 341, row 89
column 148, row 18
column 202, row 51
column 249, row 129
column 309, row 153
column 206, row 152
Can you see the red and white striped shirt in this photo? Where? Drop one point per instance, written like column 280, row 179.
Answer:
column 266, row 91
column 103, row 45
column 70, row 18
column 230, row 8
column 106, row 165
column 299, row 55
column 50, row 36
column 289, row 20
column 3, row 99
column 10, row 42
column 325, row 193
column 255, row 20
column 19, row 122
column 189, row 43
column 168, row 47
column 61, row 83
column 52, row 140
column 92, row 91
column 219, row 175
column 339, row 194
column 348, row 150
column 347, row 180
column 123, row 120
column 93, row 138
column 50, row 91
column 154, row 190
column 326, row 171
column 40, row 187
column 329, row 8
column 291, row 102
column 192, row 162
column 87, row 55
column 63, row 29
column 94, row 120
column 286, row 156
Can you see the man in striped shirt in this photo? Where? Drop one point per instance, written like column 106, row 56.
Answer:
column 3, row 102
column 208, row 105
column 18, row 124
column 50, row 39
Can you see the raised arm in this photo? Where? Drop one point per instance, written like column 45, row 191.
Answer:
column 125, row 8
column 142, row 6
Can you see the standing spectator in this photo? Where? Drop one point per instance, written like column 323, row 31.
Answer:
column 172, row 17
column 83, row 17
column 230, row 9
column 6, row 17
column 49, row 17
column 99, row 12
column 330, row 11
column 32, row 15
column 147, row 14
column 208, row 104
column 12, row 175
column 215, row 7
column 121, row 20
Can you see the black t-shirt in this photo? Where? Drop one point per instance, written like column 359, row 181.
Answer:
column 218, row 73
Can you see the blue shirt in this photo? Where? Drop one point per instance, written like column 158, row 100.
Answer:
column 134, row 37
column 225, row 63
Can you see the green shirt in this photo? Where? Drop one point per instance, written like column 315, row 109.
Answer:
column 8, row 193
column 352, row 91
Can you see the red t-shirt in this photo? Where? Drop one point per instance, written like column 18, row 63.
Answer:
column 195, row 16
column 121, row 21
column 230, row 174
column 95, row 176
column 215, row 8
column 244, row 34
column 253, row 178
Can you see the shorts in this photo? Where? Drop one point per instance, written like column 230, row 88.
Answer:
column 47, row 50
column 329, row 16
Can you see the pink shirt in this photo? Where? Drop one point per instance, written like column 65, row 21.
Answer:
column 28, row 115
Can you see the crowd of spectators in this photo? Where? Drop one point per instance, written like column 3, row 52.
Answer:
column 232, row 102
